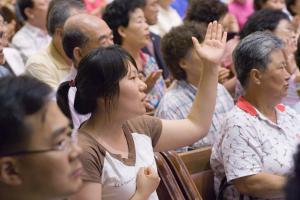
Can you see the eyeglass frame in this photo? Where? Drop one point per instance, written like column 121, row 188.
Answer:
column 72, row 139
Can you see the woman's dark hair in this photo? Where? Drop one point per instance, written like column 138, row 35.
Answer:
column 116, row 14
column 265, row 19
column 292, row 191
column 19, row 97
column 177, row 43
column 205, row 11
column 99, row 73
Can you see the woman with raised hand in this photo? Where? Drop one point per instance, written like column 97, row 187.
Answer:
column 118, row 140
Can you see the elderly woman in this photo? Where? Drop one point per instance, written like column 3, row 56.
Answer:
column 254, row 152
column 128, row 24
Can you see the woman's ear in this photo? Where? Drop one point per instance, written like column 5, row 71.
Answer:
column 9, row 172
column 255, row 76
column 122, row 31
column 182, row 63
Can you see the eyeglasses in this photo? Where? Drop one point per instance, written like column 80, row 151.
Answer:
column 65, row 146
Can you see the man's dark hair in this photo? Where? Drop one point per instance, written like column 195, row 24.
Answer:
column 20, row 97
column 22, row 5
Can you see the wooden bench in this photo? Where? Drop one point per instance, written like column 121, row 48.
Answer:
column 168, row 188
column 197, row 163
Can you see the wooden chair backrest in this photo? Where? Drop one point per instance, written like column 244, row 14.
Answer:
column 168, row 188
column 182, row 175
column 197, row 163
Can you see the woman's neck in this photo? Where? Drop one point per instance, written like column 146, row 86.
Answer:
column 263, row 103
column 135, row 53
column 104, row 126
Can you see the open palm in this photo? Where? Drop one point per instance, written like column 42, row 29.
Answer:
column 213, row 46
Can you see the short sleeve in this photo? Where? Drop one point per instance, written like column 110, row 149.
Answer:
column 239, row 153
column 150, row 126
column 92, row 160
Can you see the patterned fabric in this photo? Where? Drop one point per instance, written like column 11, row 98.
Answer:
column 249, row 143
column 158, row 91
column 177, row 102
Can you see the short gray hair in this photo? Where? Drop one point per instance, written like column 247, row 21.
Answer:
column 253, row 52
column 58, row 13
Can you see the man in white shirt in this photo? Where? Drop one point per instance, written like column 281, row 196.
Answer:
column 51, row 65
column 33, row 35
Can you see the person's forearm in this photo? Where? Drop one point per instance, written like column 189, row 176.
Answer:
column 263, row 185
column 204, row 103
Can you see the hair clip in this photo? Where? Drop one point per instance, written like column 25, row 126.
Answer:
column 72, row 83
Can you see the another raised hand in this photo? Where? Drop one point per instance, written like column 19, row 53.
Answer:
column 212, row 48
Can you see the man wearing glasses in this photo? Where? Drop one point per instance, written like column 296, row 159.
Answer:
column 39, row 155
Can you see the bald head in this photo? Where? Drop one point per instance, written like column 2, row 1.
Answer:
column 84, row 32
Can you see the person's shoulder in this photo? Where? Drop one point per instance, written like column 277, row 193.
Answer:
column 39, row 58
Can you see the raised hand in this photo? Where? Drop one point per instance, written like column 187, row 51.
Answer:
column 212, row 48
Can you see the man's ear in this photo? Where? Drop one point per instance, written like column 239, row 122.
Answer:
column 77, row 53
column 9, row 171
column 28, row 13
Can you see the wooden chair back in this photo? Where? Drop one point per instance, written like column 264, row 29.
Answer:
column 168, row 188
column 197, row 163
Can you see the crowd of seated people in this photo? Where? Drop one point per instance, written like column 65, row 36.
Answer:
column 91, row 89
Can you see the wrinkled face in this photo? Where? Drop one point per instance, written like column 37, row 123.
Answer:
column 286, row 33
column 274, row 4
column 137, row 32
column 99, row 34
column 151, row 11
column 131, row 99
column 54, row 173
column 275, row 79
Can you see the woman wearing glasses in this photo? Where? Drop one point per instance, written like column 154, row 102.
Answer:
column 38, row 157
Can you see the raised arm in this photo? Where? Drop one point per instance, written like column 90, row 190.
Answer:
column 178, row 133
